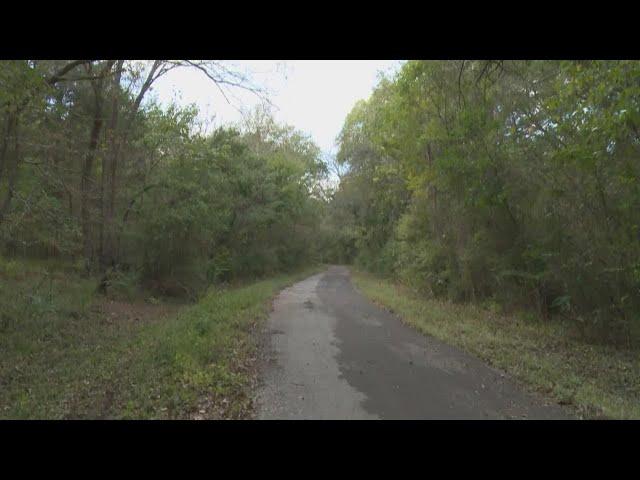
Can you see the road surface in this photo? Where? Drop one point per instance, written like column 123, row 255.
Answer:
column 332, row 354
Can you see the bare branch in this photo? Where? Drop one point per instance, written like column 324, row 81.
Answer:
column 151, row 77
column 56, row 77
column 222, row 76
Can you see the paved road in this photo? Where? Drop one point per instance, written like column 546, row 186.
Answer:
column 331, row 354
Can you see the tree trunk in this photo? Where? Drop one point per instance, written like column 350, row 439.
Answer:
column 434, row 190
column 9, row 159
column 109, row 186
column 85, row 180
column 109, row 183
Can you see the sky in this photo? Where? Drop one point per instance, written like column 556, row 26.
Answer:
column 314, row 96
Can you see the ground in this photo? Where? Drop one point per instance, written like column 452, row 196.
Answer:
column 69, row 352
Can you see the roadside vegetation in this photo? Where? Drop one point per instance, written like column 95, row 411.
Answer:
column 549, row 357
column 68, row 353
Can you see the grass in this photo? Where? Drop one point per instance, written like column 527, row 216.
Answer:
column 68, row 353
column 595, row 381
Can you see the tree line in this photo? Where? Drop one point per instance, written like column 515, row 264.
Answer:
column 95, row 171
column 513, row 182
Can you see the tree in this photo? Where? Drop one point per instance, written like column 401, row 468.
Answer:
column 513, row 180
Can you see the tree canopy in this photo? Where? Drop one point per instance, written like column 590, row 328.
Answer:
column 513, row 180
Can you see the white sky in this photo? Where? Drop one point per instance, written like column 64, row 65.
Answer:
column 314, row 96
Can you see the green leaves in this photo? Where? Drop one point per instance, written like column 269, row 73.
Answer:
column 234, row 202
column 522, row 175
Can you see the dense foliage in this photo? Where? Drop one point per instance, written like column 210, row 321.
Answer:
column 514, row 182
column 93, row 170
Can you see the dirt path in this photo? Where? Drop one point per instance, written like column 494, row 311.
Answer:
column 332, row 354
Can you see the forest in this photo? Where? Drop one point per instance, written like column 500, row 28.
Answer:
column 512, row 184
column 92, row 174
column 509, row 181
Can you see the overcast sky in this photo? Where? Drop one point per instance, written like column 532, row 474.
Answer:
column 312, row 95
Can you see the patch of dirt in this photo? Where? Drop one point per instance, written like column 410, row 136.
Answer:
column 118, row 311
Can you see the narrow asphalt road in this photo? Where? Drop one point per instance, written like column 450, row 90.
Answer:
column 332, row 354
